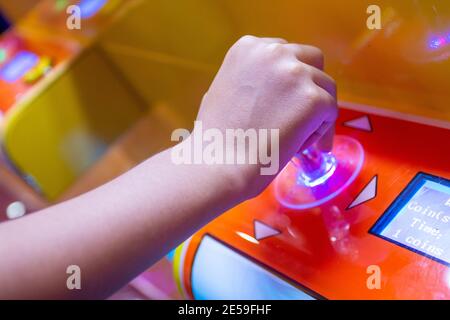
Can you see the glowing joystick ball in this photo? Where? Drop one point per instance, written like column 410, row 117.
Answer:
column 313, row 177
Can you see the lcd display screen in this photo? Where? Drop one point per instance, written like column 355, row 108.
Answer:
column 15, row 69
column 419, row 219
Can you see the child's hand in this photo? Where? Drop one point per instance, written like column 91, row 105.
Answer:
column 267, row 83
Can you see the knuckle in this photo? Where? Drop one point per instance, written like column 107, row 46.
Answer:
column 313, row 94
column 247, row 39
column 275, row 48
column 295, row 69
column 288, row 72
column 241, row 45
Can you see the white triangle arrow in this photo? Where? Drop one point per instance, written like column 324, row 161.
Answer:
column 262, row 230
column 361, row 123
column 368, row 193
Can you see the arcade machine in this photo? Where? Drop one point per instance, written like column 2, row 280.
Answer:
column 24, row 60
column 58, row 118
column 328, row 219
column 16, row 196
column 14, row 193
column 371, row 219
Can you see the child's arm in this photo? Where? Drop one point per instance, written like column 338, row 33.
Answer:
column 115, row 232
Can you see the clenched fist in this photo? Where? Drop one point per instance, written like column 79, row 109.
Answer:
column 268, row 83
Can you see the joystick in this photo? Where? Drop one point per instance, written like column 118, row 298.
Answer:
column 314, row 177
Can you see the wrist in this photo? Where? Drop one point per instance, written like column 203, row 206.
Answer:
column 234, row 182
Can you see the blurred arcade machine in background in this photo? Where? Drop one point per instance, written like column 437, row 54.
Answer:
column 62, row 104
column 60, row 117
column 15, row 10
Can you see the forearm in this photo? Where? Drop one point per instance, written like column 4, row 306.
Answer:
column 112, row 233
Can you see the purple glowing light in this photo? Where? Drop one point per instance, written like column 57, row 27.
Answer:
column 89, row 8
column 23, row 62
column 440, row 41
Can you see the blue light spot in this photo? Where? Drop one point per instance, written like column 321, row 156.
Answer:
column 440, row 41
column 23, row 62
column 89, row 8
column 171, row 255
column 436, row 43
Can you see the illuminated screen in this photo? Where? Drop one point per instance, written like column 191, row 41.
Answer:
column 89, row 8
column 419, row 219
column 15, row 69
column 219, row 273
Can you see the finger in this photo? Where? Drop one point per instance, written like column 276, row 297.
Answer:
column 324, row 81
column 307, row 54
column 328, row 102
column 325, row 143
column 310, row 141
column 316, row 135
column 274, row 40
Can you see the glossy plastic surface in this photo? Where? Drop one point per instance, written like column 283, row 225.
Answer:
column 165, row 45
column 307, row 182
column 329, row 249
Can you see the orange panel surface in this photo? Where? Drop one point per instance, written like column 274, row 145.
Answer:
column 329, row 248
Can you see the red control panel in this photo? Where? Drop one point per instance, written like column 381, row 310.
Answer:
column 386, row 236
